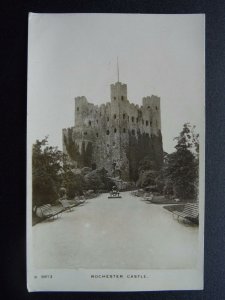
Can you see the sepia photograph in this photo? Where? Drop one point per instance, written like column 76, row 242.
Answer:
column 115, row 152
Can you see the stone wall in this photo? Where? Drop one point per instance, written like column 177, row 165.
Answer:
column 115, row 135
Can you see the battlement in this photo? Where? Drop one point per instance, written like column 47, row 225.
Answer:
column 118, row 92
column 103, row 134
column 81, row 99
column 150, row 100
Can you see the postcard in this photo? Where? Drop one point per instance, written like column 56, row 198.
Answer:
column 115, row 152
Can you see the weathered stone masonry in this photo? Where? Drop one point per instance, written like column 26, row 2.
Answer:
column 115, row 135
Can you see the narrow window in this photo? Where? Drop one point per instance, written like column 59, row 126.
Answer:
column 132, row 119
column 137, row 120
column 124, row 130
column 97, row 134
column 85, row 133
column 148, row 106
column 150, row 123
column 100, row 114
column 107, row 119
column 107, row 145
column 121, row 97
column 142, row 121
column 133, row 131
column 97, row 121
column 114, row 98
column 107, row 132
column 128, row 118
column 115, row 116
column 89, row 123
column 156, row 123
column 124, row 116
column 115, row 130
column 146, row 123
column 156, row 108
column 114, row 143
column 78, row 109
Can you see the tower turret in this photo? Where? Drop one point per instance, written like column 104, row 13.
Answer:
column 118, row 92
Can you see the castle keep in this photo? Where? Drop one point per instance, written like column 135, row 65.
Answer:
column 116, row 135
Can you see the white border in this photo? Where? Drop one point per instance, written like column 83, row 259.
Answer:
column 80, row 280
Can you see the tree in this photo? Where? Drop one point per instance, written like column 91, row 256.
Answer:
column 74, row 183
column 181, row 169
column 47, row 165
column 98, row 180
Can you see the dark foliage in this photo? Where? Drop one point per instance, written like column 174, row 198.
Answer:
column 83, row 158
column 71, row 147
column 141, row 147
column 181, row 167
column 46, row 168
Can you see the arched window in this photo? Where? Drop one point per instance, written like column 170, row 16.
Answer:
column 97, row 134
column 89, row 123
column 107, row 132
column 97, row 121
column 107, row 119
column 124, row 116
column 132, row 119
column 115, row 130
column 115, row 116
column 146, row 123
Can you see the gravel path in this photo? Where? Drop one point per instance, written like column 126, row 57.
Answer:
column 124, row 233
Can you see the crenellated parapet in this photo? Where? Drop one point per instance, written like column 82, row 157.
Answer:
column 108, row 131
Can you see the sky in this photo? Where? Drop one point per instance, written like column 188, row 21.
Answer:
column 72, row 55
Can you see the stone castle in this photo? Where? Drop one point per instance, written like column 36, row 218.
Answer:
column 116, row 135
